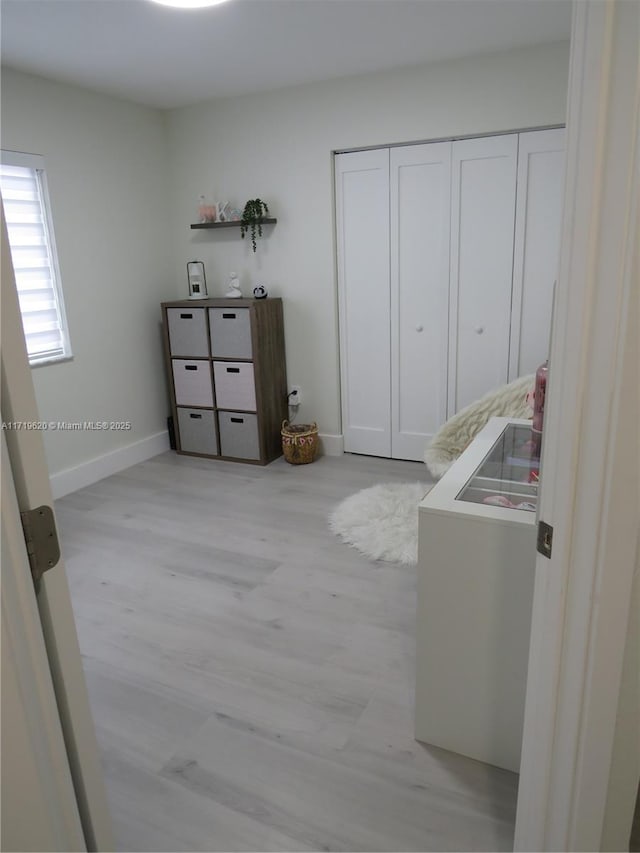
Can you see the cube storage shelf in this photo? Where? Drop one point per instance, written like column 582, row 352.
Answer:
column 227, row 377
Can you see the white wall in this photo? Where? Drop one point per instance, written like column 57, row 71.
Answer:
column 124, row 182
column 278, row 146
column 106, row 163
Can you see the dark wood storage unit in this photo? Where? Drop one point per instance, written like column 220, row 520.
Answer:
column 227, row 377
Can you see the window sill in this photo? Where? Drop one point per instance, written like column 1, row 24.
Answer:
column 55, row 359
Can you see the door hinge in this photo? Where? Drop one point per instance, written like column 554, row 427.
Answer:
column 41, row 536
column 545, row 538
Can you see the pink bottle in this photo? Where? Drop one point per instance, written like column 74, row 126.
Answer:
column 538, row 404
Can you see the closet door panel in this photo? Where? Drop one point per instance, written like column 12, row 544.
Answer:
column 362, row 220
column 483, row 205
column 420, row 228
column 537, row 246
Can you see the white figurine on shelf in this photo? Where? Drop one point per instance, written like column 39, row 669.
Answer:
column 234, row 291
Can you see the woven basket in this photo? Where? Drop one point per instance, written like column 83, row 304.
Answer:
column 299, row 442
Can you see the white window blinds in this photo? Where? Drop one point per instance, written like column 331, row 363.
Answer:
column 26, row 209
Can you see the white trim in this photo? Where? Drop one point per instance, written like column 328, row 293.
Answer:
column 58, row 291
column 22, row 158
column 331, row 445
column 36, row 164
column 89, row 472
column 451, row 138
column 589, row 485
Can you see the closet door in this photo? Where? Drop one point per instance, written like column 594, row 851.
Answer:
column 537, row 247
column 362, row 221
column 420, row 227
column 482, row 228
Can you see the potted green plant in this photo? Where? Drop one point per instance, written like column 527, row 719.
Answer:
column 254, row 213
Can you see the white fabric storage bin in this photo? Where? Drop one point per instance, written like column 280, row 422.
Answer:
column 197, row 429
column 239, row 435
column 192, row 382
column 235, row 385
column 188, row 332
column 230, row 330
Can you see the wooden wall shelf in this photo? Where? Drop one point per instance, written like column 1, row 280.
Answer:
column 234, row 224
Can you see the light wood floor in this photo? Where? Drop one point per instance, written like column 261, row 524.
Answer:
column 251, row 677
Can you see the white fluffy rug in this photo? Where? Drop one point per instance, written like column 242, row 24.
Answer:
column 382, row 522
column 452, row 438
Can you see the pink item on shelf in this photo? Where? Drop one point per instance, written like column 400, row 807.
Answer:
column 538, row 397
column 206, row 210
column 498, row 500
column 529, row 399
column 538, row 406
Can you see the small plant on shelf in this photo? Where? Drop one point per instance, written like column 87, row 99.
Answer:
column 255, row 211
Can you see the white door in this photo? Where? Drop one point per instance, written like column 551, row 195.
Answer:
column 581, row 747
column 362, row 221
column 39, row 809
column 482, row 226
column 53, row 795
column 537, row 246
column 420, row 215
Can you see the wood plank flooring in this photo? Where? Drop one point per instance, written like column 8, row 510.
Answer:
column 251, row 677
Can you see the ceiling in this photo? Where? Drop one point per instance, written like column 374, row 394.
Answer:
column 169, row 58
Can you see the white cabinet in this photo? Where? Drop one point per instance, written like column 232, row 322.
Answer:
column 476, row 565
column 447, row 254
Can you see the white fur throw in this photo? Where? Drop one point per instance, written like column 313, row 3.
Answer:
column 452, row 438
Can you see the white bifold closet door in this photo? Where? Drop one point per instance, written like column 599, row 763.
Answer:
column 447, row 254
column 537, row 247
column 420, row 214
column 362, row 220
column 483, row 200
column 393, row 273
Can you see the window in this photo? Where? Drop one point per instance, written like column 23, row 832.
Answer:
column 25, row 200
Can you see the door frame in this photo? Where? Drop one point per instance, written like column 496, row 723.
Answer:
column 589, row 494
column 49, row 613
column 591, row 460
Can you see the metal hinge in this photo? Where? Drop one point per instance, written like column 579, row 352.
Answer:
column 545, row 538
column 41, row 537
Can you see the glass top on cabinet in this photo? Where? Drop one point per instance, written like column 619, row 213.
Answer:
column 508, row 475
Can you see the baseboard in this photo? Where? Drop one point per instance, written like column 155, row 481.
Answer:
column 72, row 479
column 331, row 445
